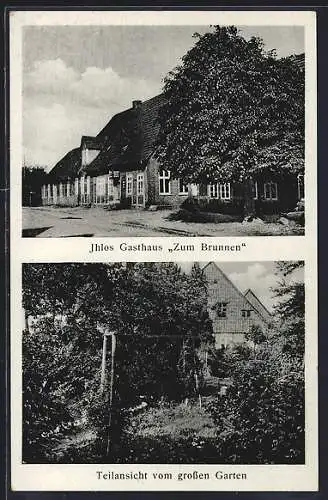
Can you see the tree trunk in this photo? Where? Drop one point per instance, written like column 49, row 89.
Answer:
column 249, row 202
column 191, row 203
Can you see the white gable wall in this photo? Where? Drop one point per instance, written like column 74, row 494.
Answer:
column 230, row 329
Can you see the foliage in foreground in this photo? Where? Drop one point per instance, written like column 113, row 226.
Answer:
column 261, row 417
column 159, row 316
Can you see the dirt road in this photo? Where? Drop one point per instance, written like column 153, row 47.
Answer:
column 60, row 222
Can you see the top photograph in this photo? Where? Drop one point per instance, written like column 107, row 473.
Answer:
column 163, row 130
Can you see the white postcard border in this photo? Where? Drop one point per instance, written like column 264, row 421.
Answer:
column 75, row 477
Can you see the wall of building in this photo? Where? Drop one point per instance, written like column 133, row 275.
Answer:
column 61, row 194
column 230, row 329
column 232, row 206
column 223, row 340
column 174, row 199
column 258, row 306
column 287, row 195
column 99, row 190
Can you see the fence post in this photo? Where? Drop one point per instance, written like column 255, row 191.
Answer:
column 111, row 393
column 103, row 364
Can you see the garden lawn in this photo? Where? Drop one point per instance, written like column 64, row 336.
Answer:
column 171, row 433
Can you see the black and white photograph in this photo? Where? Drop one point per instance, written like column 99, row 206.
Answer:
column 163, row 363
column 144, row 130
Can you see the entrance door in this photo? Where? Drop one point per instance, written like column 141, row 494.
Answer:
column 140, row 191
column 123, row 187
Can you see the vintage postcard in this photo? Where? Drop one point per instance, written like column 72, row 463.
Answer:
column 163, row 264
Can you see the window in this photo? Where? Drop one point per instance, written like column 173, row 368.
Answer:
column 164, row 182
column 246, row 313
column 64, row 189
column 221, row 309
column 270, row 191
column 221, row 191
column 85, row 185
column 101, row 182
column 183, row 188
column 224, row 191
column 300, row 185
column 140, row 184
column 129, row 184
column 213, row 190
column 110, row 187
column 68, row 189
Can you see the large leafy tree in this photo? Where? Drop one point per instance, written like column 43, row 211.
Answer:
column 162, row 322
column 290, row 308
column 233, row 112
column 61, row 348
column 155, row 310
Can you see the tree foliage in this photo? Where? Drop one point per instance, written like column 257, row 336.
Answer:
column 232, row 111
column 155, row 310
column 33, row 179
column 164, row 315
column 290, row 308
column 261, row 419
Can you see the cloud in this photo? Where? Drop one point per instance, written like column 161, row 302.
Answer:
column 50, row 76
column 109, row 87
column 61, row 105
column 259, row 279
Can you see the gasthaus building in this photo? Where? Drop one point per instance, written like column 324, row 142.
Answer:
column 118, row 168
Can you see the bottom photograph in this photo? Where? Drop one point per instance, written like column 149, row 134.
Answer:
column 163, row 363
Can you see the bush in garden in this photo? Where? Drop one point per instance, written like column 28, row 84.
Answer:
column 261, row 417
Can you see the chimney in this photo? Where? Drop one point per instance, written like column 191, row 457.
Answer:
column 136, row 104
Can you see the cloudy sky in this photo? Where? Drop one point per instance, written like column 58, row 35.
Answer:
column 75, row 78
column 259, row 276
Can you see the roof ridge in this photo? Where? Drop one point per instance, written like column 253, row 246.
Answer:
column 160, row 95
